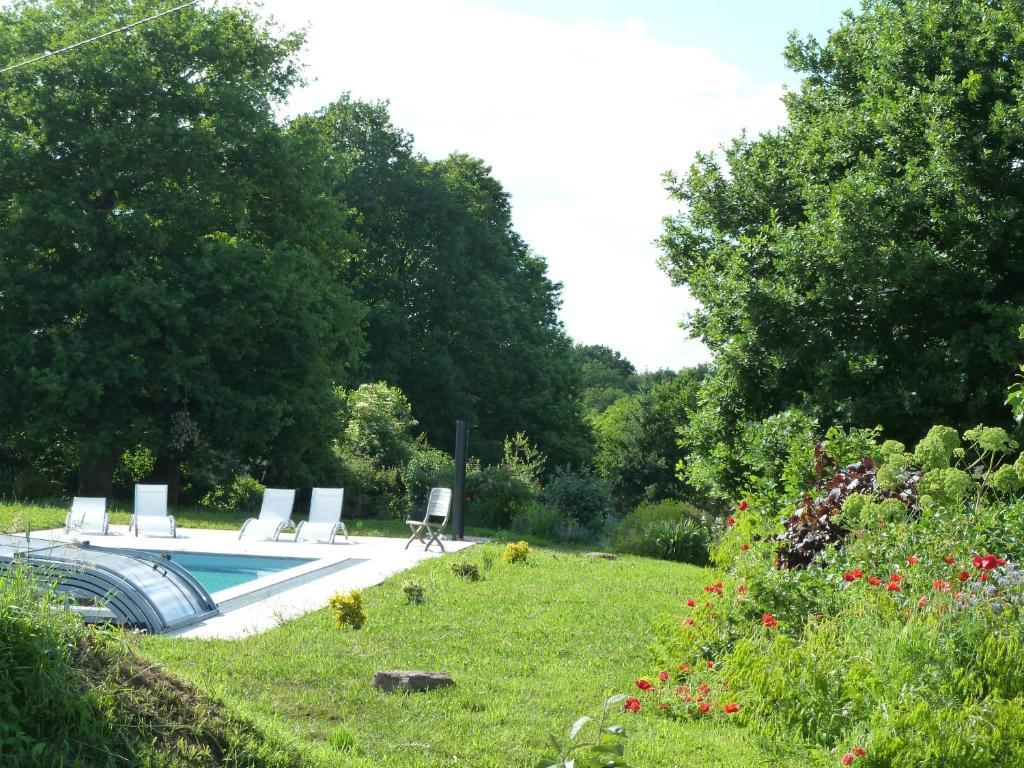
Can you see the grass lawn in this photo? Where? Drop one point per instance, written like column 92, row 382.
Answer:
column 532, row 647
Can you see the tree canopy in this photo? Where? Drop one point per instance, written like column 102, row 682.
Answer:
column 863, row 262
column 160, row 252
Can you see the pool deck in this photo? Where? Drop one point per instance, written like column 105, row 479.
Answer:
column 259, row 605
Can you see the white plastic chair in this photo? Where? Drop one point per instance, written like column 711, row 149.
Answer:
column 150, row 516
column 275, row 515
column 324, row 516
column 435, row 518
column 88, row 514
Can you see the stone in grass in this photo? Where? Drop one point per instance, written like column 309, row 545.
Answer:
column 602, row 555
column 401, row 680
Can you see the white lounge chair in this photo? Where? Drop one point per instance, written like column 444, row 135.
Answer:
column 88, row 514
column 275, row 515
column 150, row 516
column 435, row 518
column 324, row 516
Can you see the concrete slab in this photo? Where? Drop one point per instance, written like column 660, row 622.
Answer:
column 261, row 604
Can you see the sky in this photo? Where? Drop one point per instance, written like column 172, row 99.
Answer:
column 579, row 107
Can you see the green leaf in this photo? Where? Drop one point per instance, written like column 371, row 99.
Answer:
column 578, row 725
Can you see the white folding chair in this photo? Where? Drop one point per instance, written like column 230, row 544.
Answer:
column 435, row 518
column 324, row 516
column 275, row 515
column 150, row 516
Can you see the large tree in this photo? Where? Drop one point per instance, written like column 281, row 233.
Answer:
column 167, row 275
column 864, row 262
column 462, row 316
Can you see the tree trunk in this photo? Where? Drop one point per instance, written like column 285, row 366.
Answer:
column 96, row 474
column 167, row 471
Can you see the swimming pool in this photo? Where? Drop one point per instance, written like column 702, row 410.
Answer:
column 217, row 571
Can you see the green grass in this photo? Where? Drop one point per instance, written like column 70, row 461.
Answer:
column 531, row 647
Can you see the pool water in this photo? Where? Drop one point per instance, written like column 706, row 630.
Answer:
column 217, row 571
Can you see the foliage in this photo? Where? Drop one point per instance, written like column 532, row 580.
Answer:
column 605, row 749
column 579, row 496
column 153, row 266
column 898, row 631
column 857, row 263
column 74, row 695
column 637, row 447
column 522, row 459
column 540, row 520
column 464, row 337
column 347, row 609
column 606, row 376
column 515, row 552
column 427, row 468
column 1015, row 392
column 414, row 592
column 670, row 530
column 244, row 494
column 464, row 569
column 495, row 495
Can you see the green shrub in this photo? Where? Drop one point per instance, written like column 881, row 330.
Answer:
column 347, row 609
column 937, row 448
column 427, row 468
column 414, row 592
column 948, row 487
column 579, row 496
column 515, row 552
column 538, row 520
column 466, row 570
column 243, row 494
column 669, row 530
column 496, row 495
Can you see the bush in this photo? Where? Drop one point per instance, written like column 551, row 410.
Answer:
column 414, row 592
column 348, row 609
column 496, row 495
column 538, row 520
column 516, row 552
column 899, row 639
column 581, row 497
column 466, row 570
column 669, row 530
column 243, row 494
column 427, row 468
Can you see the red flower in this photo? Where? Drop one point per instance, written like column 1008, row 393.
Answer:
column 730, row 521
column 874, row 581
column 858, row 572
column 1000, row 561
column 644, row 685
column 705, row 708
column 743, row 589
column 858, row 752
column 688, row 621
column 963, row 576
column 893, row 586
column 744, row 548
column 691, row 602
column 848, row 576
column 769, row 621
column 743, row 506
column 949, row 559
column 731, row 707
column 711, row 665
column 703, row 689
column 631, row 705
column 847, row 759
column 663, row 676
column 896, row 577
column 922, row 601
column 986, row 563
column 941, row 585
column 685, row 668
column 983, row 576
column 913, row 560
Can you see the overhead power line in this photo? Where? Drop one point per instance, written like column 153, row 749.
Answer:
column 79, row 44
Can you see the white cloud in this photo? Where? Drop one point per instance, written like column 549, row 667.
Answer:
column 578, row 120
